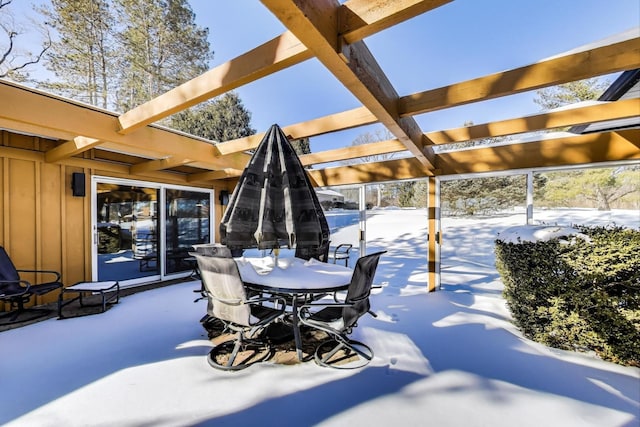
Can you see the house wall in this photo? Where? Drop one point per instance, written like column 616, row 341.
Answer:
column 42, row 225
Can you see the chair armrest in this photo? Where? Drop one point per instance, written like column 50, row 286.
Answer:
column 306, row 307
column 57, row 274
column 231, row 301
column 266, row 299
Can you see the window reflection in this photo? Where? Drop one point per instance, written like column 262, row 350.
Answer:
column 187, row 216
column 127, row 231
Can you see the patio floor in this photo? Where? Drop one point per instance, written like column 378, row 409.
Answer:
column 452, row 357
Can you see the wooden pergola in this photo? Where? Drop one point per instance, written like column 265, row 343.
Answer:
column 334, row 34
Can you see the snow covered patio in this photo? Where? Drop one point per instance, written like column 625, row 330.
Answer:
column 449, row 358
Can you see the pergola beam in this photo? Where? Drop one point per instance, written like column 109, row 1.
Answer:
column 564, row 151
column 360, row 19
column 332, row 123
column 572, row 150
column 52, row 115
column 71, row 148
column 353, row 152
column 215, row 175
column 362, row 173
column 159, row 164
column 316, row 25
column 268, row 58
column 612, row 58
column 551, row 120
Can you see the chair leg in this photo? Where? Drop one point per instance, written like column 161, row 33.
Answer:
column 328, row 354
column 234, row 353
column 234, row 349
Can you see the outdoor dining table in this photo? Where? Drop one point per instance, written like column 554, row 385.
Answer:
column 294, row 278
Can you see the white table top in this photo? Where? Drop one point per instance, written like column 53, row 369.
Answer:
column 294, row 274
column 92, row 286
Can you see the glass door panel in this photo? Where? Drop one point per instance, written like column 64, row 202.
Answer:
column 187, row 216
column 127, row 231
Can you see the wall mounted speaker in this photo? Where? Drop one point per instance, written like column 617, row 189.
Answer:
column 77, row 184
column 224, row 197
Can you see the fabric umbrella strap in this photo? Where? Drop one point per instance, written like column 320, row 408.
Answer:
column 274, row 203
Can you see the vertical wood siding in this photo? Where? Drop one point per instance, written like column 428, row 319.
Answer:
column 42, row 225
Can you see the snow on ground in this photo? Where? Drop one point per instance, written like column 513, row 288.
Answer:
column 449, row 358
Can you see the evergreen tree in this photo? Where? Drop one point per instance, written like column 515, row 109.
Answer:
column 82, row 57
column 569, row 93
column 420, row 193
column 592, row 187
column 301, row 145
column 482, row 195
column 161, row 47
column 221, row 119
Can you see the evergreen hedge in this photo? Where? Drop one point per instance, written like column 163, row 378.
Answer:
column 582, row 296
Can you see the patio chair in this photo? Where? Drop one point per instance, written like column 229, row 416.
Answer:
column 247, row 318
column 321, row 253
column 18, row 291
column 341, row 253
column 338, row 319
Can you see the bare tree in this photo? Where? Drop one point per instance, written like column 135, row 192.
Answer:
column 382, row 134
column 13, row 61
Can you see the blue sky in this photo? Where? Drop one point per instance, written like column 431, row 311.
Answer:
column 459, row 41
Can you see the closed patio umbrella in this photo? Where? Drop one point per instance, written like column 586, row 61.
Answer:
column 274, row 204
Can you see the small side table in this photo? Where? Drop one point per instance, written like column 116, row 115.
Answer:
column 108, row 290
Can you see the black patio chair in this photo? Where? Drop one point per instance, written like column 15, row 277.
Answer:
column 18, row 291
column 341, row 253
column 338, row 319
column 246, row 317
column 321, row 252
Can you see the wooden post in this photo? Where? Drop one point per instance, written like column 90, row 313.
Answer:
column 433, row 256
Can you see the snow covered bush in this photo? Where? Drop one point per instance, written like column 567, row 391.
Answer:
column 575, row 289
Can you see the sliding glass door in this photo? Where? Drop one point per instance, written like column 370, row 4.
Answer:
column 187, row 224
column 135, row 241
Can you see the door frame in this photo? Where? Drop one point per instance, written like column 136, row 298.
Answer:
column 161, row 249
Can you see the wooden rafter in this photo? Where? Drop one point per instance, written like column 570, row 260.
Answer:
column 564, row 151
column 34, row 129
column 215, row 175
column 335, row 122
column 353, row 152
column 572, row 150
column 361, row 19
column 369, row 172
column 270, row 57
column 51, row 114
column 159, row 164
column 554, row 119
column 71, row 148
column 612, row 58
column 333, row 32
column 316, row 25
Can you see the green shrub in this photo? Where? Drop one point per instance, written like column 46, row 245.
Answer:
column 582, row 296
